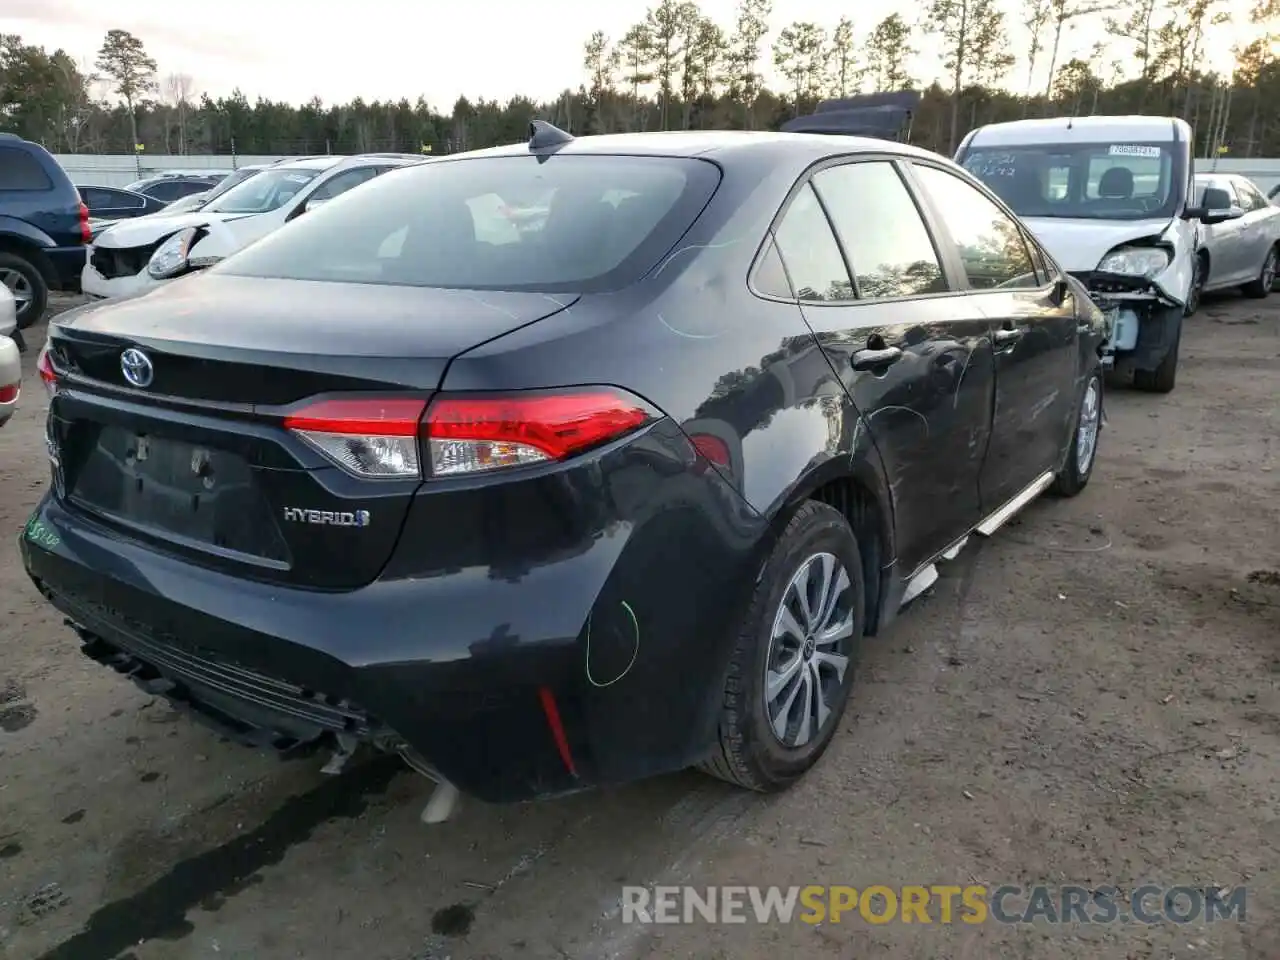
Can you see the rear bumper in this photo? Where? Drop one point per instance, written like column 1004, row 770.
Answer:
column 456, row 666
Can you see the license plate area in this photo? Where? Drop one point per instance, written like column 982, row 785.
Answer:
column 196, row 495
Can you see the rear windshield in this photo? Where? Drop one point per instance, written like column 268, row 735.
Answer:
column 567, row 223
column 1096, row 181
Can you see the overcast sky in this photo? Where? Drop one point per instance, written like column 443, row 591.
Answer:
column 387, row 49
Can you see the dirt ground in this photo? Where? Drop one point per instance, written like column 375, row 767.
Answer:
column 1091, row 697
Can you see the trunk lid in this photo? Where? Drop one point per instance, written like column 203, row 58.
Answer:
column 198, row 462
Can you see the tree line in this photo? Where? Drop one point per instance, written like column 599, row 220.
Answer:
column 679, row 69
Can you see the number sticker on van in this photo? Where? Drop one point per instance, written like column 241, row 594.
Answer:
column 1124, row 150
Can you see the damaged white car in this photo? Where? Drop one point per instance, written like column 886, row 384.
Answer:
column 1109, row 198
column 133, row 256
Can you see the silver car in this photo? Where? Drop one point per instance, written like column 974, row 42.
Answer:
column 10, row 361
column 1243, row 250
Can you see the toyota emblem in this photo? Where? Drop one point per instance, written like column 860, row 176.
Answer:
column 136, row 367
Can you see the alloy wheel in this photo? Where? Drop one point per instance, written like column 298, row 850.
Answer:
column 19, row 286
column 1087, row 431
column 809, row 650
column 1269, row 271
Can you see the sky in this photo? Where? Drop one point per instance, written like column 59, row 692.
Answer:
column 388, row 49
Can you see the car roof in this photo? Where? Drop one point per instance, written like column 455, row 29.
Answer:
column 308, row 163
column 715, row 144
column 1059, row 130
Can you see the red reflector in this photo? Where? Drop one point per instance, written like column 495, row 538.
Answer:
column 713, row 448
column 9, row 394
column 559, row 425
column 552, row 713
column 370, row 417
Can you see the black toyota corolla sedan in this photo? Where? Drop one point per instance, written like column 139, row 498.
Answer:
column 563, row 463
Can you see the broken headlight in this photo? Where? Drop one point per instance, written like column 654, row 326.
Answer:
column 170, row 258
column 1135, row 261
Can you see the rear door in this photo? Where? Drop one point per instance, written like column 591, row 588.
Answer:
column 1259, row 227
column 913, row 355
column 1036, row 358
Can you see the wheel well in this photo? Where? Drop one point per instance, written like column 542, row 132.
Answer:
column 863, row 512
column 30, row 252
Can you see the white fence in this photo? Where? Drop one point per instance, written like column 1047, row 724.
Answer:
column 117, row 170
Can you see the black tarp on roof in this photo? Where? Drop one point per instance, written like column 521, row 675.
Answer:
column 886, row 116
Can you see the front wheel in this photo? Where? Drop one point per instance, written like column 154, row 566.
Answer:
column 1075, row 473
column 792, row 666
column 1199, row 276
column 1164, row 377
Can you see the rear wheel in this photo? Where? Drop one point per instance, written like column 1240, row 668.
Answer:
column 792, row 666
column 1075, row 473
column 1261, row 287
column 26, row 284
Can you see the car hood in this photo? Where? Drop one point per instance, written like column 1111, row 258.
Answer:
column 1078, row 245
column 144, row 231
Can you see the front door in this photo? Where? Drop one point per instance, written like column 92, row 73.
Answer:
column 1034, row 338
column 914, row 358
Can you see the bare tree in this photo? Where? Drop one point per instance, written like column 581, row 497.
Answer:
column 1061, row 14
column 970, row 30
column 177, row 91
column 1036, row 19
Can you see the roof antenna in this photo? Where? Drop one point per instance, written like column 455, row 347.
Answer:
column 543, row 134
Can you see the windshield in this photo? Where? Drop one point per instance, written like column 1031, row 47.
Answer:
column 268, row 190
column 572, row 223
column 1096, row 181
column 193, row 201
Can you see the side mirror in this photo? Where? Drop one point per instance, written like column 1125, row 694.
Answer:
column 313, row 203
column 1216, row 207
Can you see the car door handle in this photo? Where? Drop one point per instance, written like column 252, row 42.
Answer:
column 1007, row 336
column 871, row 359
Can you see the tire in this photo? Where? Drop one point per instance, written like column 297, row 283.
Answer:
column 20, row 273
column 1260, row 288
column 1075, row 473
column 749, row 753
column 1198, row 281
column 1163, row 378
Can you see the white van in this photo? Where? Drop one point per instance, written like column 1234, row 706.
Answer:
column 1108, row 197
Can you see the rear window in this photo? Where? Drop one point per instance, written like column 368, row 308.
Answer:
column 580, row 223
column 19, row 170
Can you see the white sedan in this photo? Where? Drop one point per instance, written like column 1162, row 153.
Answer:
column 1244, row 250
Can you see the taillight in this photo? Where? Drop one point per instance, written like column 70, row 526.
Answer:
column 44, row 367
column 369, row 437
column 85, row 233
column 9, row 393
column 472, row 434
column 379, row 438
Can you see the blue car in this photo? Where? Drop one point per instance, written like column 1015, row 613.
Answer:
column 44, row 226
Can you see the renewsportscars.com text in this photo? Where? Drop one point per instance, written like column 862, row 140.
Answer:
column 936, row 903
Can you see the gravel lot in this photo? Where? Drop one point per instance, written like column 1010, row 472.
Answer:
column 1091, row 697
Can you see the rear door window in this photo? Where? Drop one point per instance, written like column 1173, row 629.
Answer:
column 810, row 252
column 897, row 258
column 991, row 243
column 570, row 222
column 19, row 170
